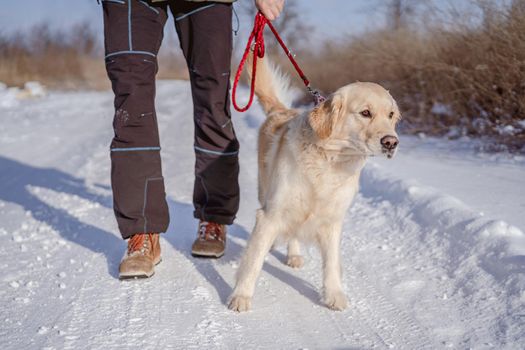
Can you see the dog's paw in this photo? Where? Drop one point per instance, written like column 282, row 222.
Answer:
column 335, row 300
column 239, row 303
column 295, row 261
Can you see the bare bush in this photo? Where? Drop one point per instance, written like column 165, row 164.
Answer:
column 58, row 58
column 453, row 80
column 66, row 59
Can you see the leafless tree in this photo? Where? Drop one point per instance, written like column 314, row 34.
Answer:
column 398, row 13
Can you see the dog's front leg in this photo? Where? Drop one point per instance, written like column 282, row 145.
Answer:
column 329, row 242
column 258, row 246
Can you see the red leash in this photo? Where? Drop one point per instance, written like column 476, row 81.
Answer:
column 258, row 48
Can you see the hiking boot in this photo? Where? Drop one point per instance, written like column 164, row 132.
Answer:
column 211, row 240
column 141, row 257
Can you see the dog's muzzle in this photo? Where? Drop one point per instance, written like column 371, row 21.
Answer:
column 389, row 144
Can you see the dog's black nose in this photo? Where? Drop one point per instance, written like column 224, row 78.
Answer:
column 389, row 142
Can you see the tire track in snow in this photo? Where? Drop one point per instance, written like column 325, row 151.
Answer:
column 77, row 322
column 134, row 324
column 371, row 320
column 392, row 327
column 190, row 314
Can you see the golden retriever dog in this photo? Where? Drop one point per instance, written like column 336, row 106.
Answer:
column 309, row 167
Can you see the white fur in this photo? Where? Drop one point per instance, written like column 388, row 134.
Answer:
column 309, row 167
column 282, row 84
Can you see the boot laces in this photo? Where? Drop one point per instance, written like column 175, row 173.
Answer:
column 139, row 243
column 211, row 231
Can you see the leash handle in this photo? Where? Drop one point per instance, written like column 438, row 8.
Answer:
column 257, row 38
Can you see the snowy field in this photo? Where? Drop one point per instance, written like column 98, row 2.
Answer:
column 433, row 247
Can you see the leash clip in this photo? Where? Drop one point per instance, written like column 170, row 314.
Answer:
column 318, row 98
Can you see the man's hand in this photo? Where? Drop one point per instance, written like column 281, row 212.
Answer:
column 271, row 9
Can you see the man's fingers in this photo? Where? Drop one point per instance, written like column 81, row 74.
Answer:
column 269, row 13
column 271, row 9
column 280, row 6
column 276, row 12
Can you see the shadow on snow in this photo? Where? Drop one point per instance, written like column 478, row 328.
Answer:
column 17, row 178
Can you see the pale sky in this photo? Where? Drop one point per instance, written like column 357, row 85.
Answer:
column 329, row 19
column 334, row 16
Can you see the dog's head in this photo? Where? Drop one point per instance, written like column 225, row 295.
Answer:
column 360, row 119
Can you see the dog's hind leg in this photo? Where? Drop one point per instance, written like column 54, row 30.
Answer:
column 295, row 258
column 258, row 246
column 329, row 243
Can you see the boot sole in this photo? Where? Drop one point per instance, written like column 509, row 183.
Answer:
column 204, row 254
column 138, row 275
column 135, row 277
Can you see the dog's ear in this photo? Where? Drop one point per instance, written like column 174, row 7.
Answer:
column 324, row 116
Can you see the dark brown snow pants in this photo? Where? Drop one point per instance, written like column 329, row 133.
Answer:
column 133, row 33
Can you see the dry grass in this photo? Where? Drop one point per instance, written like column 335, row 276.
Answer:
column 66, row 59
column 458, row 80
column 56, row 58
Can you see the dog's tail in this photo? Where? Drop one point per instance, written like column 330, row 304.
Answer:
column 272, row 86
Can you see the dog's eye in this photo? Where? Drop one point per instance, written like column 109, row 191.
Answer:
column 366, row 113
column 391, row 115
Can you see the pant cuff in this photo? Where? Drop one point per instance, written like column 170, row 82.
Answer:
column 152, row 229
column 220, row 219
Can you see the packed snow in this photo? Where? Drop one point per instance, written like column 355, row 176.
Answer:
column 433, row 246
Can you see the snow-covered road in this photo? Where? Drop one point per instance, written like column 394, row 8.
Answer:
column 422, row 270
